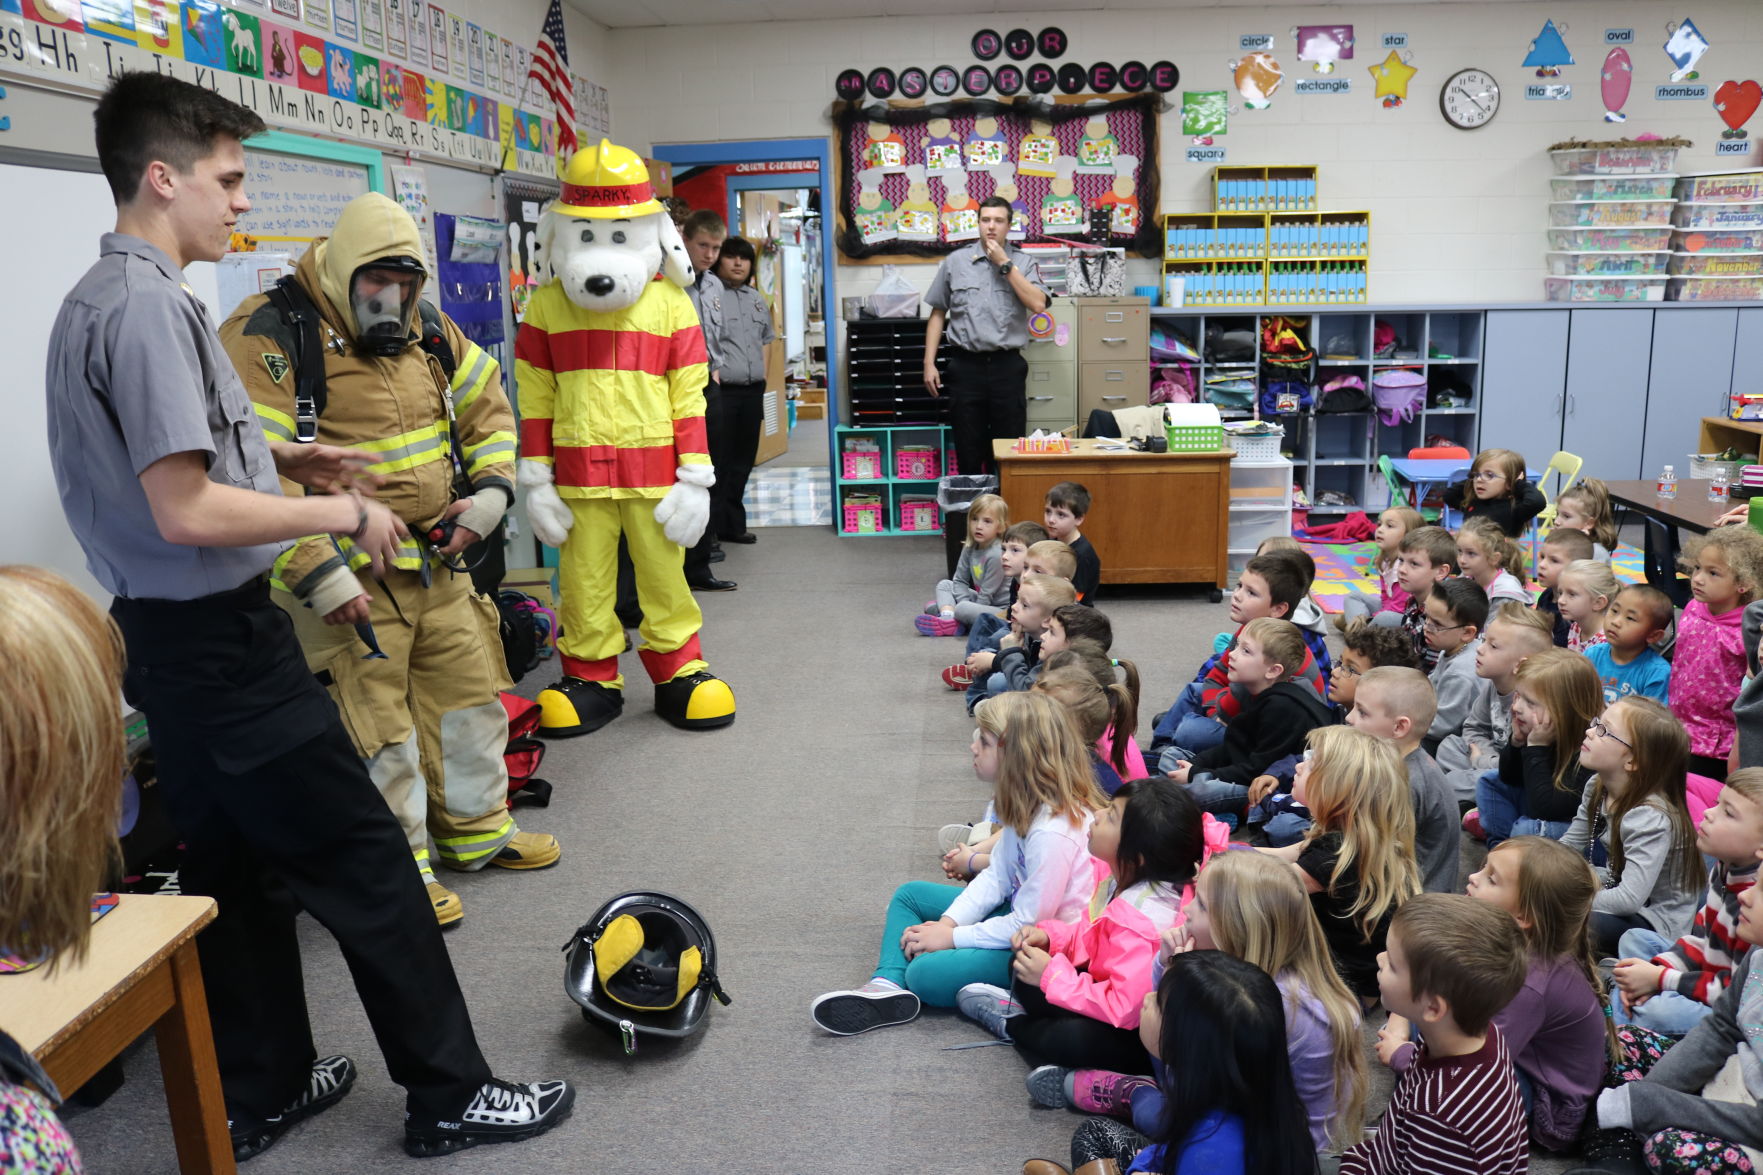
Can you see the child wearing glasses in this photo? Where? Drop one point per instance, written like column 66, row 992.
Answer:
column 1498, row 489
column 1634, row 807
column 1456, row 612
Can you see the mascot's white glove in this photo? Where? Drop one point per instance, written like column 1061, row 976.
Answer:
column 685, row 511
column 549, row 516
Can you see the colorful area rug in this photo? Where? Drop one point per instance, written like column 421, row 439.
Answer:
column 1341, row 570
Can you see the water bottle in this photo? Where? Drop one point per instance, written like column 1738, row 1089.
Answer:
column 1718, row 489
column 1668, row 484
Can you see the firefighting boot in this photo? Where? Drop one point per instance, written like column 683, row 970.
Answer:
column 696, row 701
column 448, row 908
column 576, row 706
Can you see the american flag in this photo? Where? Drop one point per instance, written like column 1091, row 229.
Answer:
column 551, row 70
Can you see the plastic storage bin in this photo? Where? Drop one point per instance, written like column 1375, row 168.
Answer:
column 1688, row 215
column 1716, row 264
column 1582, row 264
column 1721, row 186
column 1612, row 187
column 1260, row 483
column 1593, row 213
column 861, row 464
column 916, row 463
column 1633, row 158
column 1256, row 448
column 1604, row 289
column 1703, row 466
column 1715, row 289
column 919, row 514
column 1251, row 528
column 1193, row 428
column 1610, row 240
column 863, row 515
column 1717, row 240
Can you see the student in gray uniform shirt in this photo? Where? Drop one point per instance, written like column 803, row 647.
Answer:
column 984, row 294
column 745, row 331
column 704, row 232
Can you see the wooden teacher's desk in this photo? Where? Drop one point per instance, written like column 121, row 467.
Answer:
column 140, row 972
column 1154, row 517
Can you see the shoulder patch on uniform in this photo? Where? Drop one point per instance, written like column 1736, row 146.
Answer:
column 276, row 365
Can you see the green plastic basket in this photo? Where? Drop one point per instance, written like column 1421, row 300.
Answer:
column 1188, row 438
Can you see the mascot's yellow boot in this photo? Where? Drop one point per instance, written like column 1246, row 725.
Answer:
column 575, row 706
column 696, row 701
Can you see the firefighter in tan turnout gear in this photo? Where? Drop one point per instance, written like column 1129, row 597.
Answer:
column 426, row 715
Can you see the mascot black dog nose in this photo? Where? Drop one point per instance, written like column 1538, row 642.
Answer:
column 599, row 285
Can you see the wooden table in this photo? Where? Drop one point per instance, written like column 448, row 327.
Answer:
column 1690, row 510
column 141, row 972
column 1154, row 517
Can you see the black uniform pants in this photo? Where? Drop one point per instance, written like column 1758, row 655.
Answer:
column 733, row 449
column 987, row 399
column 698, row 557
column 279, row 815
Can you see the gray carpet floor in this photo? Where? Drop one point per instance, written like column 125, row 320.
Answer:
column 789, row 830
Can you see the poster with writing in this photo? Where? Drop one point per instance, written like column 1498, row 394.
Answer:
column 398, row 32
column 287, row 8
column 492, row 62
column 474, row 41
column 318, row 14
column 410, row 189
column 297, row 199
column 456, row 43
column 523, row 64
column 437, row 30
column 373, row 24
column 593, row 107
column 344, row 20
column 510, row 83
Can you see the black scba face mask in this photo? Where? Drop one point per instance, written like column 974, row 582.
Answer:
column 383, row 316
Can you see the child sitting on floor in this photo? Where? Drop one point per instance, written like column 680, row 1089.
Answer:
column 1397, row 704
column 978, row 584
column 1668, row 987
column 1625, row 659
column 1014, row 665
column 1493, row 559
column 1562, row 547
column 1120, row 679
column 1456, row 610
column 1452, row 963
column 1498, row 488
column 1067, row 505
column 1708, row 661
column 1585, row 506
column 1386, row 607
column 1513, row 633
column 1583, row 592
column 1096, row 709
column 1538, row 787
column 990, row 624
column 1276, row 715
column 1425, row 557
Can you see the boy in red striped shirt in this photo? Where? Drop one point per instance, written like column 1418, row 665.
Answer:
column 1451, row 963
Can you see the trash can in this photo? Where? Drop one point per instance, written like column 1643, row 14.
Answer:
column 955, row 493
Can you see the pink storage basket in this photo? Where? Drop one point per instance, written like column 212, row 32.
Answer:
column 917, row 463
column 920, row 514
column 862, row 464
column 863, row 518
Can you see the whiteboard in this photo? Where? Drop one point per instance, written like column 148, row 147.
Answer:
column 295, row 199
column 54, row 248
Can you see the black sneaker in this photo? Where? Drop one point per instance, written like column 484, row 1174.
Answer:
column 502, row 1111
column 330, row 1080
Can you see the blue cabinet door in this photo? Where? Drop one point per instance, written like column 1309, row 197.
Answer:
column 1524, row 381
column 1692, row 375
column 1609, row 359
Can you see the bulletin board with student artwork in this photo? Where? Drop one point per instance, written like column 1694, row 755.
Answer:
column 911, row 178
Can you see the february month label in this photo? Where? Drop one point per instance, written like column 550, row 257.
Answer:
column 1252, row 41
column 1395, row 41
column 1205, row 154
column 1618, row 36
column 1549, row 93
column 1732, row 147
column 1680, row 92
column 1324, row 86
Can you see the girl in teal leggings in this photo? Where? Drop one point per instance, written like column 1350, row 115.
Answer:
column 939, row 938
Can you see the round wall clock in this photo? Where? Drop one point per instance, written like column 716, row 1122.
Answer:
column 1470, row 99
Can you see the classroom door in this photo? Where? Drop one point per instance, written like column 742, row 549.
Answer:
column 1609, row 355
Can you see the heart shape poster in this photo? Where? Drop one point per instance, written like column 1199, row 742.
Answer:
column 1737, row 101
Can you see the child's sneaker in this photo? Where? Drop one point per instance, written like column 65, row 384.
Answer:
column 1093, row 1091
column 937, row 625
column 951, row 837
column 990, row 1006
column 1472, row 824
column 958, row 677
column 877, row 1004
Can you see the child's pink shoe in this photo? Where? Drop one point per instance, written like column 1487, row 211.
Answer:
column 937, row 626
column 1092, row 1091
column 1472, row 824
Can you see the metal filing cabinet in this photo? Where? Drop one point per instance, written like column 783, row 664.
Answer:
column 1113, row 350
column 1052, row 370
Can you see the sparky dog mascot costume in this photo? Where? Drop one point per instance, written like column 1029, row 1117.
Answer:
column 611, row 367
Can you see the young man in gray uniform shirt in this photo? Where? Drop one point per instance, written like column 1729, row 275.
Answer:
column 171, row 488
column 985, row 293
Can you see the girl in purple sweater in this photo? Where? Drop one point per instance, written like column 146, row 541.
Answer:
column 1555, row 1026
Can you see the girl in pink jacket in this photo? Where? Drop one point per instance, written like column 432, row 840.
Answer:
column 1708, row 663
column 1079, row 985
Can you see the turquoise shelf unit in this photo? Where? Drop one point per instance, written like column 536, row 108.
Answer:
column 890, row 487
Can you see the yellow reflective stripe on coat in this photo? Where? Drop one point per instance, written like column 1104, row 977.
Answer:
column 446, row 845
column 277, row 426
column 495, row 449
column 475, row 371
column 408, row 450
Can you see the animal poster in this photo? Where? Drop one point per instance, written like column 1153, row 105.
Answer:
column 911, row 178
